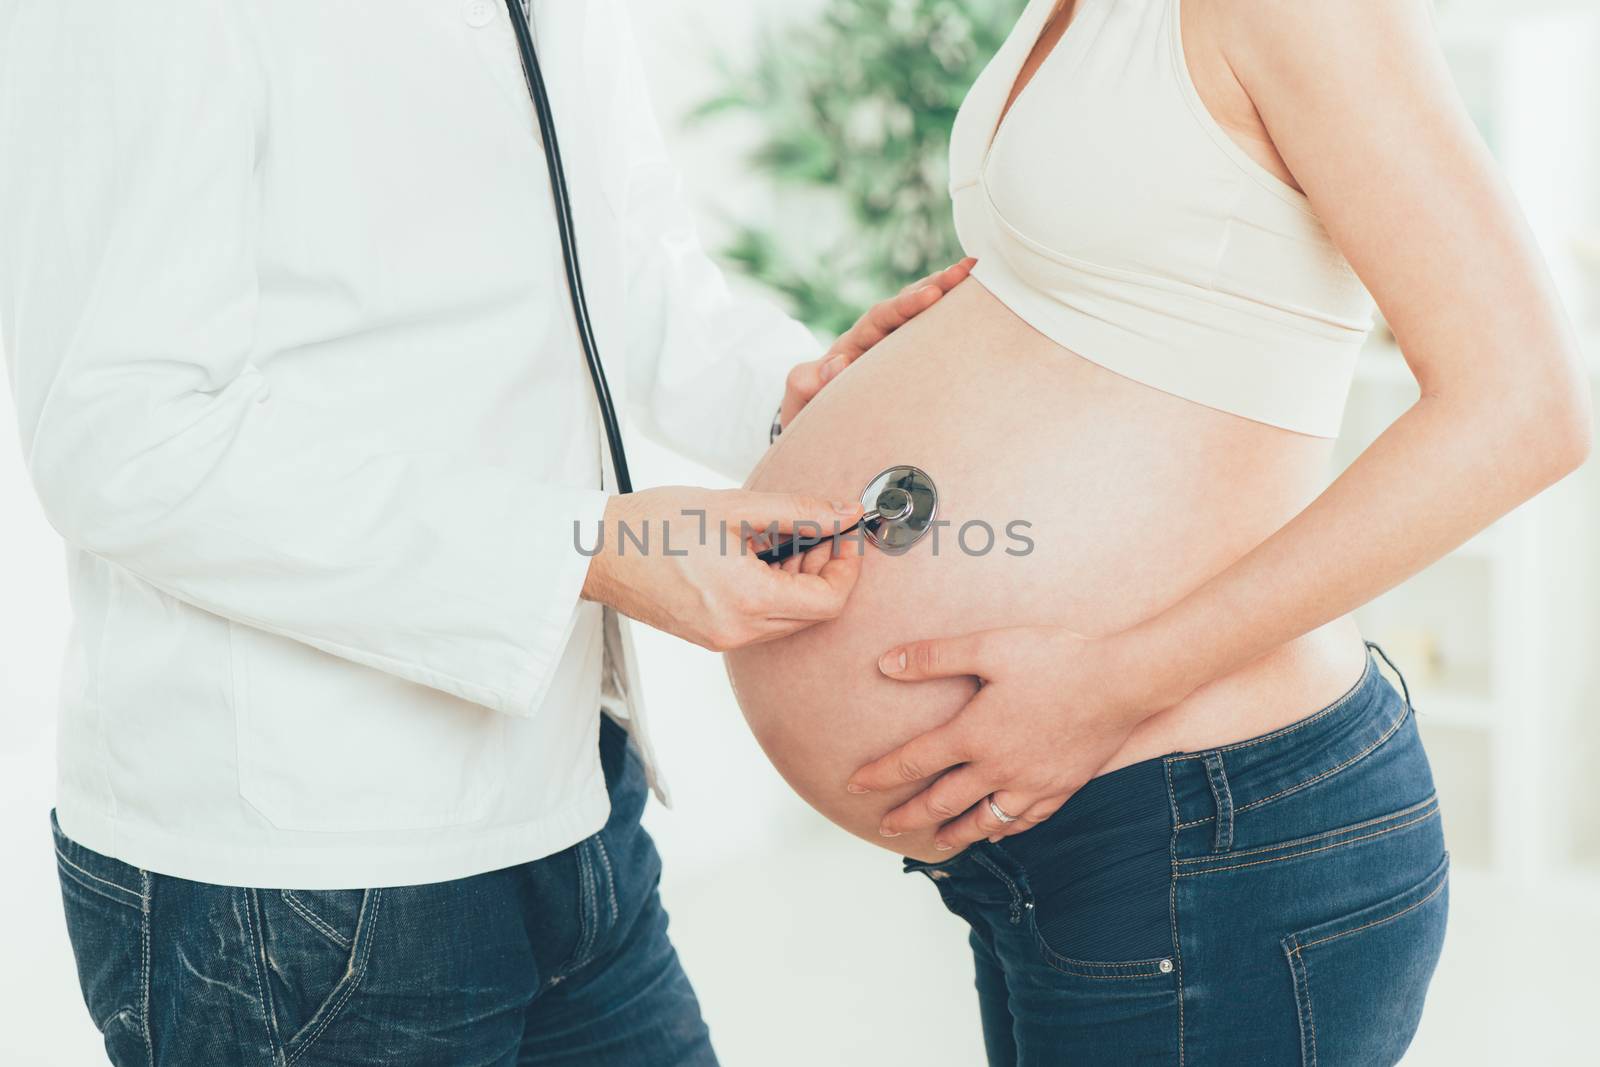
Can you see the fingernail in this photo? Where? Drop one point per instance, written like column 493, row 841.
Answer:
column 893, row 662
column 845, row 507
column 941, row 846
column 995, row 840
column 832, row 367
column 851, row 787
column 885, row 832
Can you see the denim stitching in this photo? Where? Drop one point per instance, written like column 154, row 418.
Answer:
column 1172, row 796
column 354, row 979
column 1309, row 851
column 1298, row 947
column 1388, row 733
column 1392, row 729
column 87, row 887
column 1302, row 1002
column 1433, row 798
column 1068, row 965
column 119, row 888
column 258, row 952
column 1064, row 969
column 1217, row 776
column 585, row 919
column 1172, row 905
column 1284, row 731
column 1016, row 894
column 611, row 879
column 305, row 912
column 586, row 915
column 145, row 894
column 591, row 907
column 1154, row 965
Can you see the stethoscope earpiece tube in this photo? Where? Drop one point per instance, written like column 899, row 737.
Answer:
column 569, row 244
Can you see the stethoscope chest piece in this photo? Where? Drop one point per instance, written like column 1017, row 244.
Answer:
column 901, row 504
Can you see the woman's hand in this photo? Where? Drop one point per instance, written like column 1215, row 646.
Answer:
column 1052, row 709
column 807, row 379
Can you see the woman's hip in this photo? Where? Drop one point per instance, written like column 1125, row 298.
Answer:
column 1311, row 884
column 1251, row 899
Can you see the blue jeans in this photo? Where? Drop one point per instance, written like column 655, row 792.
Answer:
column 1277, row 901
column 564, row 960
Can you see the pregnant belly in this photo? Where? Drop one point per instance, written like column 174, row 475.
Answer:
column 1073, row 497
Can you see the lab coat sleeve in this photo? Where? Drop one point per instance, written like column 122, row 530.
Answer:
column 128, row 301
column 706, row 367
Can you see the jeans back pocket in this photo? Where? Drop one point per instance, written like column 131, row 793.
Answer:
column 1360, row 980
column 106, row 906
column 313, row 950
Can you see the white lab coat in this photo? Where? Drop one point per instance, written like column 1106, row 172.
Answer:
column 297, row 382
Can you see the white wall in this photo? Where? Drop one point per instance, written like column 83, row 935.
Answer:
column 787, row 929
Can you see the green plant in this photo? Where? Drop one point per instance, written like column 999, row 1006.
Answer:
column 854, row 109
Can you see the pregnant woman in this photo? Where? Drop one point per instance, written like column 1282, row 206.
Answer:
column 1158, row 772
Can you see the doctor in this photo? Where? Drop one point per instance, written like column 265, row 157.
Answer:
column 299, row 384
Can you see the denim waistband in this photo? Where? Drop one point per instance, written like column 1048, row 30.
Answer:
column 1234, row 778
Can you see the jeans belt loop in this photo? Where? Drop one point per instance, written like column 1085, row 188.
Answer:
column 1405, row 690
column 1218, row 777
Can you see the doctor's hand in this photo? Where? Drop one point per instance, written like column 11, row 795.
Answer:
column 807, row 379
column 697, row 575
column 1053, row 707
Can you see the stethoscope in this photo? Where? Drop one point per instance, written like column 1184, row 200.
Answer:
column 900, row 504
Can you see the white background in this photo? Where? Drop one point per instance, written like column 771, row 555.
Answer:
column 806, row 946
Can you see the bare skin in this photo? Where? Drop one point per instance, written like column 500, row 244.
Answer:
column 1133, row 497
column 1192, row 576
column 1353, row 104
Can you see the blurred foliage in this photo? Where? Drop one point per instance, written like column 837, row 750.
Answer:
column 854, row 110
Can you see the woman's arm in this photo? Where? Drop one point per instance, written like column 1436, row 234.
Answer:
column 1359, row 103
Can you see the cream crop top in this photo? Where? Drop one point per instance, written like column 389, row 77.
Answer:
column 1115, row 216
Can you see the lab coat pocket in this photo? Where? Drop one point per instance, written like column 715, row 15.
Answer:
column 327, row 745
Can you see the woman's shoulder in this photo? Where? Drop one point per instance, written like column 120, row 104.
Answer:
column 1313, row 36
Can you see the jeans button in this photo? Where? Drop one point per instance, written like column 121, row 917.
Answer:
column 1166, row 966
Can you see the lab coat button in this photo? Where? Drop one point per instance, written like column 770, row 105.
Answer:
column 479, row 12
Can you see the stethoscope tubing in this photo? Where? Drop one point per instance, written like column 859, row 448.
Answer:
column 562, row 201
column 569, row 242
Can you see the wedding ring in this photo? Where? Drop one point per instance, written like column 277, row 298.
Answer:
column 1000, row 812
